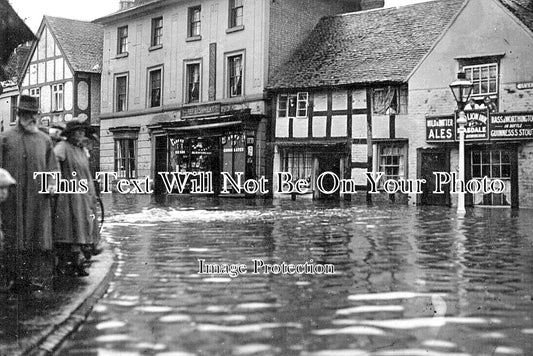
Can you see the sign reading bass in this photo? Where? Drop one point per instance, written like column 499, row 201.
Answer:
column 511, row 126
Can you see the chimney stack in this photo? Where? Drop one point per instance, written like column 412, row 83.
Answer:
column 126, row 4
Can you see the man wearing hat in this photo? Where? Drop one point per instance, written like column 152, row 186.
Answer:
column 26, row 214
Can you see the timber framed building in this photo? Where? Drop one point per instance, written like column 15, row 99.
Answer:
column 369, row 92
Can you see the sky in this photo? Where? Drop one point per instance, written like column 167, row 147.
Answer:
column 32, row 11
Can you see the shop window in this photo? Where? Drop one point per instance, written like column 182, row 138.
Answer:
column 193, row 83
column 293, row 105
column 389, row 100
column 122, row 40
column 155, row 87
column 194, row 21
column 121, row 93
column 235, row 13
column 57, row 97
column 494, row 164
column 125, row 157
column 297, row 162
column 235, row 72
column 391, row 161
column 233, row 150
column 157, row 32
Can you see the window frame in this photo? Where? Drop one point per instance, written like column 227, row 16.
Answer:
column 290, row 155
column 122, row 40
column 194, row 26
column 300, row 113
column 36, row 93
column 116, row 93
column 156, row 33
column 401, row 165
column 187, row 91
column 13, row 109
column 130, row 163
column 149, row 99
column 480, row 67
column 228, row 76
column 58, row 94
column 401, row 93
column 234, row 15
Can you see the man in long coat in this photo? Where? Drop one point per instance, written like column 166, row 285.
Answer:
column 26, row 214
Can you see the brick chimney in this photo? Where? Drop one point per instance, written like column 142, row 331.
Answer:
column 126, row 4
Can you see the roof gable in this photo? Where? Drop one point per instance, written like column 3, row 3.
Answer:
column 522, row 9
column 81, row 42
column 367, row 47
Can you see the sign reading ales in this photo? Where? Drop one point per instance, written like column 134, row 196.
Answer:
column 481, row 125
column 440, row 128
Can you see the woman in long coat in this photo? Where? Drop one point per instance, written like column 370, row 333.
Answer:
column 75, row 214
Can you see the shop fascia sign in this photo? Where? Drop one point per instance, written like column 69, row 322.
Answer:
column 481, row 126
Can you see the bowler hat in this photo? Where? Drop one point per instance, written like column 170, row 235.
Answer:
column 28, row 103
column 6, row 178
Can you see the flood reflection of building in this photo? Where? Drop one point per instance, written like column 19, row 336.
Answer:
column 183, row 82
column 369, row 91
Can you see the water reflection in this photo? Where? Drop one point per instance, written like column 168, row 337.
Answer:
column 408, row 281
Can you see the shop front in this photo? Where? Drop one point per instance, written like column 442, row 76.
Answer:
column 492, row 145
column 207, row 146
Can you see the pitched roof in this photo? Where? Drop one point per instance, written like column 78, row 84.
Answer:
column 366, row 47
column 81, row 42
column 522, row 9
column 13, row 31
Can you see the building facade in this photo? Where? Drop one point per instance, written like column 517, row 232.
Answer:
column 372, row 100
column 183, row 83
column 63, row 70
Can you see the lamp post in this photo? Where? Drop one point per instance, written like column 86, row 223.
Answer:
column 461, row 89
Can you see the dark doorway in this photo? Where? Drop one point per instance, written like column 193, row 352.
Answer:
column 430, row 161
column 328, row 163
column 161, row 164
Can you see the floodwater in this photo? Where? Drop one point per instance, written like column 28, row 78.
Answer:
column 407, row 281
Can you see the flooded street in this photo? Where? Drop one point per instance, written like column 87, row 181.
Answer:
column 408, row 281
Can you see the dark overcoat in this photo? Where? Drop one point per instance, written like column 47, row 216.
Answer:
column 27, row 214
column 75, row 213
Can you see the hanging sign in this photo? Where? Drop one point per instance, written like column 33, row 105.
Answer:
column 476, row 127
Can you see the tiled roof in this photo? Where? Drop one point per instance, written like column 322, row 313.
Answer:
column 81, row 41
column 522, row 9
column 365, row 47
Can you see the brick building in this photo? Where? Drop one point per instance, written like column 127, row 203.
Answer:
column 362, row 94
column 183, row 82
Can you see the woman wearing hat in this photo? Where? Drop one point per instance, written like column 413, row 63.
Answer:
column 74, row 218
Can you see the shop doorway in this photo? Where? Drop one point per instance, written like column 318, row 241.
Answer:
column 430, row 161
column 328, row 163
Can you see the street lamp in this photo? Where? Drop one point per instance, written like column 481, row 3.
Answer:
column 461, row 89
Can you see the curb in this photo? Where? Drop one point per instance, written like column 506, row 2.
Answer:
column 49, row 340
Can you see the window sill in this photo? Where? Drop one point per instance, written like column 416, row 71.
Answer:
column 156, row 47
column 121, row 55
column 193, row 38
column 235, row 29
